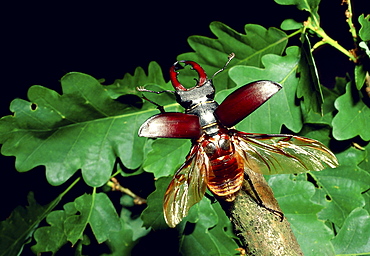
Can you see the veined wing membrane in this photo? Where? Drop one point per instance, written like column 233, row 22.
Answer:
column 187, row 187
column 282, row 153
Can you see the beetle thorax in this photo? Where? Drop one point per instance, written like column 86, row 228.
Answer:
column 190, row 97
column 199, row 101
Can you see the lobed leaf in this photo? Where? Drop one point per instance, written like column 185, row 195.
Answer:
column 294, row 198
column 340, row 189
column 212, row 235
column 121, row 242
column 354, row 236
column 51, row 238
column 128, row 84
column 120, row 238
column 81, row 129
column 166, row 155
column 353, row 115
column 212, row 54
column 152, row 216
column 365, row 160
column 364, row 32
column 132, row 221
column 21, row 225
column 311, row 6
column 328, row 110
column 96, row 210
column 281, row 109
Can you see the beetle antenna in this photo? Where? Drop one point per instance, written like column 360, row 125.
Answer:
column 230, row 57
column 142, row 89
column 159, row 107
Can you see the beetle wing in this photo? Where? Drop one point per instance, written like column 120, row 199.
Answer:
column 244, row 101
column 282, row 153
column 187, row 187
column 171, row 125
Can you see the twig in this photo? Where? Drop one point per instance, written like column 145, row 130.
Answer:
column 349, row 15
column 261, row 232
column 114, row 184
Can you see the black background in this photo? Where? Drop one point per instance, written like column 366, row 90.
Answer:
column 41, row 43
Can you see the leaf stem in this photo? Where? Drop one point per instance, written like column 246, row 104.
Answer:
column 70, row 187
column 296, row 32
column 328, row 40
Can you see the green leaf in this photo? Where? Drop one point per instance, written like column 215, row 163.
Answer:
column 128, row 84
column 366, row 196
column 365, row 162
column 290, row 24
column 340, row 189
column 311, row 6
column 351, row 156
column 166, row 156
column 365, row 47
column 211, row 235
column 203, row 212
column 132, row 221
column 51, row 238
column 81, row 129
column 360, row 76
column 121, row 242
column 96, row 210
column 21, row 225
column 364, row 32
column 152, row 216
column 328, row 109
column 354, row 236
column 281, row 109
column 212, row 54
column 317, row 133
column 353, row 115
column 294, row 198
column 309, row 85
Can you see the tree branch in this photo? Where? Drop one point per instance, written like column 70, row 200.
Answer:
column 262, row 231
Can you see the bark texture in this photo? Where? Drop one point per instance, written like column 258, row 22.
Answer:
column 263, row 232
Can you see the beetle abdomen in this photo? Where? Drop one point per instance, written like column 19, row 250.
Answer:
column 226, row 172
column 226, row 177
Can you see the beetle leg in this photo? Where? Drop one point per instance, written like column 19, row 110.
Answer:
column 159, row 107
column 256, row 197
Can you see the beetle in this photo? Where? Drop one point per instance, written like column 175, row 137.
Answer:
column 220, row 154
